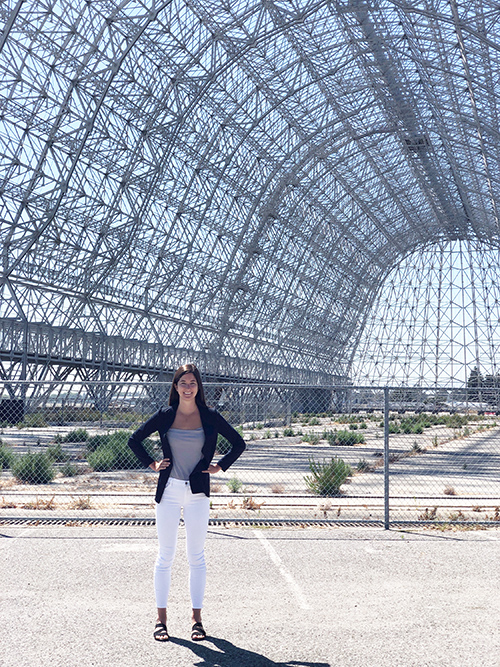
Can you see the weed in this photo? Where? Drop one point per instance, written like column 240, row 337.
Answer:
column 428, row 515
column 325, row 508
column 82, row 503
column 449, row 491
column 234, row 485
column 363, row 466
column 312, row 438
column 278, row 489
column 288, row 432
column 267, row 434
column 250, row 504
column 39, row 504
column 327, row 476
column 7, row 504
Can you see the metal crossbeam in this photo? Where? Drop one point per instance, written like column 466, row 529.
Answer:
column 243, row 183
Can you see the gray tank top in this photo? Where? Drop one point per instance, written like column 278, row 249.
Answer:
column 186, row 447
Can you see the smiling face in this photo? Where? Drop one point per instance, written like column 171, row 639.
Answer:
column 187, row 388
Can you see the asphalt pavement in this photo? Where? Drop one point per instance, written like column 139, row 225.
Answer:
column 276, row 597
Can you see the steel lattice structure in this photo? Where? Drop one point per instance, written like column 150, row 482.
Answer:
column 236, row 181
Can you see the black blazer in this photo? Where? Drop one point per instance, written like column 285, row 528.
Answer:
column 213, row 423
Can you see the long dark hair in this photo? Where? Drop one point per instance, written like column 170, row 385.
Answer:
column 183, row 370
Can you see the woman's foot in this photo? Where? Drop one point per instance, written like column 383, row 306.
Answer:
column 160, row 632
column 198, row 632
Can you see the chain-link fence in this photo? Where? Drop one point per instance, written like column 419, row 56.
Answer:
column 314, row 454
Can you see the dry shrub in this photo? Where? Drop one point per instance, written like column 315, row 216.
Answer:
column 428, row 515
column 449, row 491
column 82, row 503
column 250, row 504
column 40, row 504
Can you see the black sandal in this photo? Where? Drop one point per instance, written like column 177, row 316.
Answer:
column 198, row 633
column 160, row 633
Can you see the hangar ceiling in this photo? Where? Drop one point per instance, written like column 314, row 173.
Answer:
column 240, row 180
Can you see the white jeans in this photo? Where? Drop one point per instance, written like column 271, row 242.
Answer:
column 196, row 508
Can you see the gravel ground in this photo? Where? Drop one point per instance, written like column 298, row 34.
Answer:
column 81, row 596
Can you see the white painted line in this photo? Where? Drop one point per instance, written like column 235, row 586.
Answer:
column 10, row 540
column 303, row 604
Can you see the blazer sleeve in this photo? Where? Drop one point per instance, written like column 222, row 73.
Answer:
column 234, row 438
column 143, row 432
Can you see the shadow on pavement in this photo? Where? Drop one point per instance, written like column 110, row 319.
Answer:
column 229, row 655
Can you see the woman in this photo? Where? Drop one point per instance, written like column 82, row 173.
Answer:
column 188, row 431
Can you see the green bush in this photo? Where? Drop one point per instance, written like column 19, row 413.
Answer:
column 69, row 470
column 33, row 468
column 288, row 432
column 102, row 460
column 343, row 437
column 77, row 435
column 234, row 485
column 327, row 476
column 34, row 420
column 111, row 452
column 7, row 456
column 56, row 453
column 312, row 438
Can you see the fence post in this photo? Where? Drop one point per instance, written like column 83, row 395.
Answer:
column 386, row 458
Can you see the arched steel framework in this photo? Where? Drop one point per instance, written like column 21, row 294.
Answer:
column 237, row 180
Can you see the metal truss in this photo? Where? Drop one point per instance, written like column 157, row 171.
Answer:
column 237, row 181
